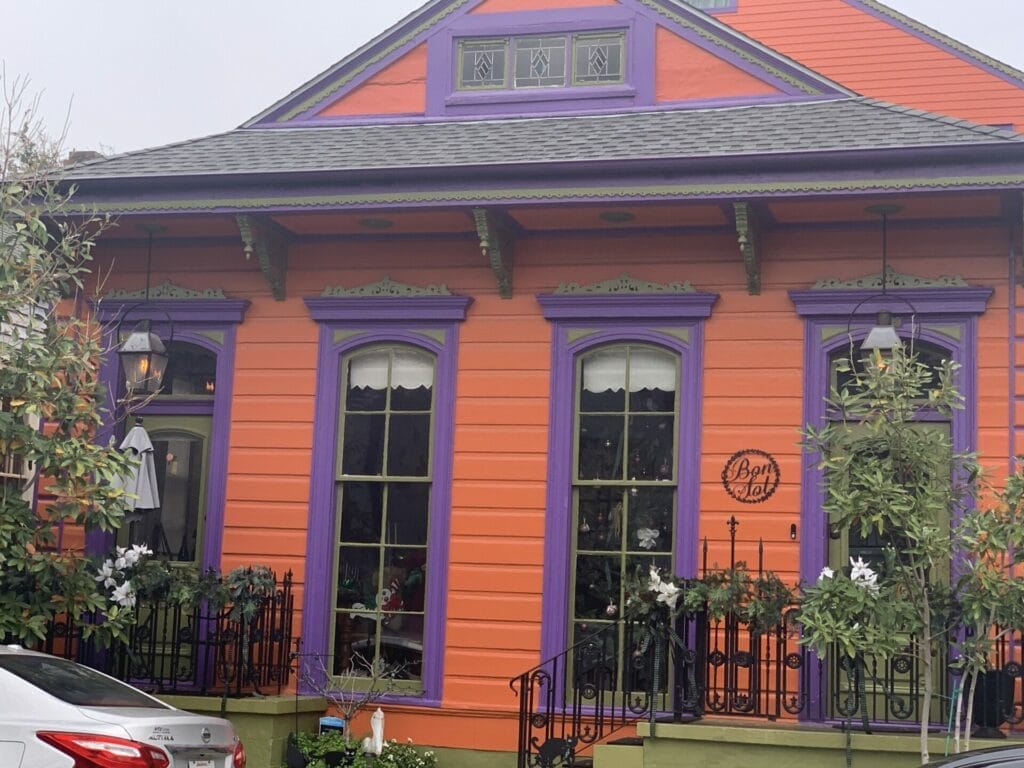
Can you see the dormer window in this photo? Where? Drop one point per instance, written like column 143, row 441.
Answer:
column 550, row 61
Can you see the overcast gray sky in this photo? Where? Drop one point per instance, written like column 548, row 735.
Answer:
column 139, row 73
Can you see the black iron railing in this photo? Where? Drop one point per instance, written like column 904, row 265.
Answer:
column 176, row 648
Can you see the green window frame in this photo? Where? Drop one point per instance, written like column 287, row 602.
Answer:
column 383, row 486
column 624, row 479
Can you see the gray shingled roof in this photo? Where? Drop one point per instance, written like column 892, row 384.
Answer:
column 790, row 128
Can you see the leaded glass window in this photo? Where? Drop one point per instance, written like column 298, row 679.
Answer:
column 598, row 58
column 482, row 63
column 383, row 487
column 625, row 476
column 540, row 62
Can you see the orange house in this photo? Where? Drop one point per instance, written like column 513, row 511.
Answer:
column 524, row 293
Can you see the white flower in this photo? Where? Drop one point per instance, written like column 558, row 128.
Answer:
column 826, row 573
column 612, row 609
column 124, row 595
column 668, row 593
column 105, row 573
column 862, row 575
column 655, row 579
column 648, row 537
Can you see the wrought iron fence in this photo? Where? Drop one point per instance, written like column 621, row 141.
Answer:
column 175, row 648
column 722, row 665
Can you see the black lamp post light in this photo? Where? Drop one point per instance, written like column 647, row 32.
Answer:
column 143, row 354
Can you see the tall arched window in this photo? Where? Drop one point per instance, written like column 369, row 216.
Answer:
column 944, row 326
column 380, row 486
column 624, row 448
column 383, row 486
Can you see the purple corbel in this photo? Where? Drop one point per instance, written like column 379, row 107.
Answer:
column 610, row 319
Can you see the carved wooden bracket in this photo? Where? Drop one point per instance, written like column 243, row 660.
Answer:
column 749, row 238
column 496, row 243
column 260, row 235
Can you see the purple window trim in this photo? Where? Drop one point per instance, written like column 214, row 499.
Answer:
column 614, row 319
column 821, row 309
column 190, row 318
column 382, row 320
column 636, row 89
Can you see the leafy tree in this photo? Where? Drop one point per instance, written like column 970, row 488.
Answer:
column 49, row 389
column 886, row 473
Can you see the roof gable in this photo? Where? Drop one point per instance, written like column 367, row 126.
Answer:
column 673, row 54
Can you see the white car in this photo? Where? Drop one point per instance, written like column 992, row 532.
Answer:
column 58, row 714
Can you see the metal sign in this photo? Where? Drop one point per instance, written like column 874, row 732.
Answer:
column 751, row 476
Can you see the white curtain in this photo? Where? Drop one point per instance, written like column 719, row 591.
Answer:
column 409, row 370
column 648, row 369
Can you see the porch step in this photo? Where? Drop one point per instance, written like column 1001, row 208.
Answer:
column 621, row 753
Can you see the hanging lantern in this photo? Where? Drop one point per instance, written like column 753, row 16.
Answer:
column 144, row 360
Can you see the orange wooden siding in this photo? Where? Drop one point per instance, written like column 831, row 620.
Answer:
column 685, row 71
column 753, row 389
column 874, row 58
column 398, row 89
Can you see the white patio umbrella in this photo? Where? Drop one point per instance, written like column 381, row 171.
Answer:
column 140, row 483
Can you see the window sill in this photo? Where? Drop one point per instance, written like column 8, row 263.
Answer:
column 532, row 95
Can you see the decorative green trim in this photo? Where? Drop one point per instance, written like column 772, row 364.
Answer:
column 554, row 194
column 168, row 290
column 683, row 334
column 623, row 284
column 324, row 93
column 496, row 244
column 746, row 55
column 747, row 231
column 893, row 279
column 950, row 331
column 269, row 241
column 956, row 45
column 388, row 287
column 437, row 335
column 215, row 336
column 829, row 332
column 342, row 335
column 576, row 335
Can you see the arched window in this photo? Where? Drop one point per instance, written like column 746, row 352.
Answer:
column 624, row 484
column 380, row 486
column 383, row 487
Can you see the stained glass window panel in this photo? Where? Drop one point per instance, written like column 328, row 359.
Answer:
column 598, row 59
column 539, row 62
column 482, row 63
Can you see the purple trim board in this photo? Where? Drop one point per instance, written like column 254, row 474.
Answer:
column 190, row 319
column 826, row 310
column 609, row 319
column 376, row 320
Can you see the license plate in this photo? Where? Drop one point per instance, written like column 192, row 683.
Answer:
column 201, row 764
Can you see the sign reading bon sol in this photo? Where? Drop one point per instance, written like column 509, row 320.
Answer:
column 751, row 476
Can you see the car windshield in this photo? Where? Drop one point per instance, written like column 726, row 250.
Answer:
column 74, row 683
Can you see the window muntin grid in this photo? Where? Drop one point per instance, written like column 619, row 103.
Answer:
column 625, row 488
column 541, row 61
column 599, row 59
column 383, row 486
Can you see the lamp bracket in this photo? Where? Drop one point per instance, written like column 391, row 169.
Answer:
column 748, row 232
column 497, row 244
column 269, row 241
